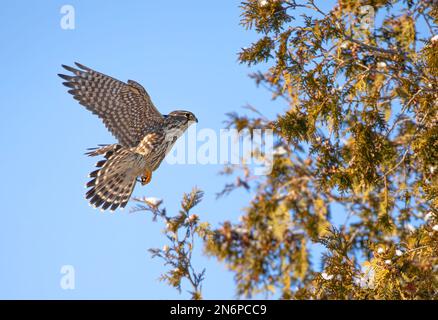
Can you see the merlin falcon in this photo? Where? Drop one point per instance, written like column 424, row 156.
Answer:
column 144, row 135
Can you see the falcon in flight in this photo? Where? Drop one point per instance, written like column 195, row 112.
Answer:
column 145, row 136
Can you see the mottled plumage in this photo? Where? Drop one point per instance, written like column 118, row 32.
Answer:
column 145, row 136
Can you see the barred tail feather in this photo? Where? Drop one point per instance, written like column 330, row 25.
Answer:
column 112, row 184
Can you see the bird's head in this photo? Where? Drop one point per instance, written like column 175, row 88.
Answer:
column 177, row 122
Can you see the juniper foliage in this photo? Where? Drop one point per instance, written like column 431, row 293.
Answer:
column 357, row 138
column 182, row 231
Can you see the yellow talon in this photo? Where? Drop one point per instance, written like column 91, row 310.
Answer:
column 146, row 178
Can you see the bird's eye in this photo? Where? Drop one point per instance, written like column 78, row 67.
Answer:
column 188, row 116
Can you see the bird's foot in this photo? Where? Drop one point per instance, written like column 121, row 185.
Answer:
column 146, row 178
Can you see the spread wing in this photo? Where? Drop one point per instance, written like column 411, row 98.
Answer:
column 125, row 108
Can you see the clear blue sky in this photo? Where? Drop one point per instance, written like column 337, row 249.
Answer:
column 185, row 54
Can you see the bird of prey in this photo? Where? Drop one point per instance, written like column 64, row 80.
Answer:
column 144, row 135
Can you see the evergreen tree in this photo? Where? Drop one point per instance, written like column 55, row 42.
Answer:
column 359, row 131
column 357, row 138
